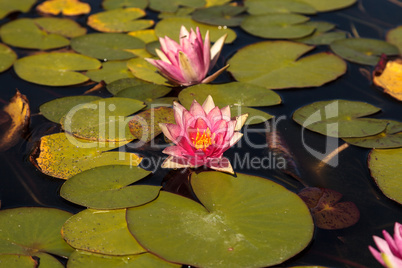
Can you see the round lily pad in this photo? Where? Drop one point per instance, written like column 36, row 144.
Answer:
column 66, row 7
column 62, row 26
column 55, row 69
column 101, row 231
column 94, row 188
column 394, row 36
column 7, row 6
column 269, row 64
column 219, row 15
column 173, row 5
column 385, row 167
column 340, row 118
column 242, row 221
column 107, row 46
column 114, row 4
column 328, row 5
column 7, row 57
column 363, row 50
column 259, row 7
column 277, row 26
column 110, row 71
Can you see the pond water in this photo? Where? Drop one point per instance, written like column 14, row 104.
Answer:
column 23, row 185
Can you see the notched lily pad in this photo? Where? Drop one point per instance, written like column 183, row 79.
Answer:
column 388, row 75
column 65, row 7
column 8, row 6
column 227, row 15
column 110, row 71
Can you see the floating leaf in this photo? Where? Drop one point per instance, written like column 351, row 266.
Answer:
column 110, row 71
column 327, row 211
column 259, row 7
column 18, row 115
column 390, row 78
column 340, row 118
column 321, row 36
column 167, row 102
column 17, row 261
column 270, row 64
column 172, row 5
column 245, row 221
column 107, row 188
column 61, row 26
column 211, row 3
column 391, row 137
column 146, row 36
column 119, row 20
column 277, row 26
column 101, row 231
column 55, row 69
column 102, row 120
column 124, row 83
column 227, row 15
column 146, row 71
column 114, row 4
column 146, row 92
column 63, row 156
column 107, row 46
column 363, row 50
column 328, row 5
column 81, row 259
column 171, row 27
column 7, row 57
column 65, row 7
column 385, row 168
column 7, row 6
column 394, row 36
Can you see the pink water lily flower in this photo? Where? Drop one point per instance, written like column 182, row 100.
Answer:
column 201, row 136
column 189, row 62
column 390, row 254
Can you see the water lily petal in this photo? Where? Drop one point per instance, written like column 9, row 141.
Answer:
column 208, row 104
column 226, row 113
column 215, row 115
column 168, row 71
column 377, row 255
column 197, row 110
column 240, row 120
column 216, row 50
column 187, row 70
column 235, row 138
column 175, row 162
column 162, row 56
column 220, row 164
column 214, row 75
column 174, row 151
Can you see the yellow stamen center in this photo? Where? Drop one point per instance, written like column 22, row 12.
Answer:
column 202, row 141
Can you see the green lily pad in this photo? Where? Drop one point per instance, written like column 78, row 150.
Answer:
column 180, row 12
column 110, row 71
column 147, row 35
column 277, row 26
column 83, row 259
column 7, row 57
column 119, row 85
column 254, row 116
column 17, row 261
column 363, row 50
column 94, row 188
column 210, row 3
column 32, row 230
column 62, row 26
column 26, row 33
column 63, row 156
column 321, row 36
column 385, row 168
column 389, row 138
column 340, row 118
column 119, row 20
column 234, row 226
column 171, row 27
column 172, row 5
column 7, row 7
column 145, row 71
column 114, row 4
column 147, row 92
column 219, row 15
column 107, row 46
column 101, row 231
column 102, row 120
column 394, row 36
column 270, row 64
column 328, row 5
column 166, row 102
column 259, row 7
column 55, row 69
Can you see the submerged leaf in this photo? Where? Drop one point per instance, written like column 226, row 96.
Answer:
column 65, row 7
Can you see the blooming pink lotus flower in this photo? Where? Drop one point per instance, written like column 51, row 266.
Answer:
column 188, row 63
column 201, row 135
column 390, row 254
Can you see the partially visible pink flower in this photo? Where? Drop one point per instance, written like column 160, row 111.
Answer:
column 390, row 254
column 201, row 135
column 189, row 62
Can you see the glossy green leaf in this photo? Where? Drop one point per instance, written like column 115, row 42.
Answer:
column 62, row 26
column 386, row 169
column 102, row 120
column 145, row 71
column 55, row 69
column 7, row 57
column 277, row 26
column 101, row 231
column 394, row 36
column 171, row 27
column 108, row 187
column 328, row 5
column 234, row 226
column 30, row 230
column 17, row 261
column 389, row 138
column 7, row 6
column 83, row 259
column 270, row 64
column 146, row 92
column 110, row 71
column 340, row 118
column 172, row 5
column 119, row 20
column 259, row 7
column 363, row 50
column 114, row 4
column 219, row 15
column 107, row 46
column 63, row 156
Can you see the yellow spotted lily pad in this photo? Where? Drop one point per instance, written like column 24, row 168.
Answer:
column 65, row 7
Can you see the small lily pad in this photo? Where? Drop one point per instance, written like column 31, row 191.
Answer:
column 119, row 20
column 219, row 15
column 386, row 169
column 101, row 231
column 62, row 26
column 7, row 57
column 328, row 5
column 65, row 7
column 146, row 71
column 173, row 5
column 340, row 118
column 7, row 6
column 363, row 50
column 394, row 36
column 114, row 4
column 55, row 69
column 146, row 92
column 259, row 7
column 107, row 46
column 110, row 71
column 107, row 188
